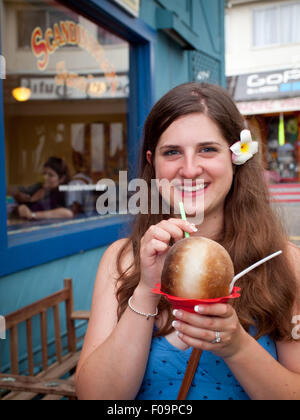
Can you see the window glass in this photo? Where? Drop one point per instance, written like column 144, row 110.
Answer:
column 265, row 27
column 276, row 25
column 65, row 109
column 289, row 21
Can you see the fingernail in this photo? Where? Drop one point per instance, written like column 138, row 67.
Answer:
column 199, row 309
column 194, row 228
column 177, row 313
column 175, row 324
column 179, row 334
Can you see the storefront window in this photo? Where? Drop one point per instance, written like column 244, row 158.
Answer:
column 281, row 155
column 283, row 158
column 65, row 110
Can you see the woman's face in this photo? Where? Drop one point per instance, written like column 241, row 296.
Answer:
column 51, row 178
column 193, row 148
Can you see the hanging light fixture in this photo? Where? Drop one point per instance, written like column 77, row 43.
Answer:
column 21, row 94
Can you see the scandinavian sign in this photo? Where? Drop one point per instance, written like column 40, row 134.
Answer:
column 66, row 33
column 268, row 85
column 66, row 86
column 132, row 6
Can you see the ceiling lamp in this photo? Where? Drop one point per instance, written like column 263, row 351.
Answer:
column 21, row 94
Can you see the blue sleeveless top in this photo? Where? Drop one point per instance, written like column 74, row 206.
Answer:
column 212, row 381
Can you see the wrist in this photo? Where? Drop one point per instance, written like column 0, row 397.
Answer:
column 244, row 343
column 147, row 315
column 143, row 295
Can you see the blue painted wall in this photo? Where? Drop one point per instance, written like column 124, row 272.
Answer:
column 25, row 287
column 198, row 22
column 201, row 24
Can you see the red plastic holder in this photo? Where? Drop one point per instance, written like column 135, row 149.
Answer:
column 189, row 304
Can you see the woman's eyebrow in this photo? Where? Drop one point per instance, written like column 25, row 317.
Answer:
column 176, row 146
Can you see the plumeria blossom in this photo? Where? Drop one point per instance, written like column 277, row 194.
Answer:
column 245, row 149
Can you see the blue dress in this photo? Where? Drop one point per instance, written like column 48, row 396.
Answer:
column 212, row 381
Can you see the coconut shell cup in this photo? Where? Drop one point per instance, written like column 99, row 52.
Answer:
column 196, row 271
column 197, row 268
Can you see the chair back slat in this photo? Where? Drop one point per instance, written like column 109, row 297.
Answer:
column 29, row 347
column 69, row 309
column 58, row 343
column 40, row 308
column 36, row 308
column 14, row 354
column 44, row 341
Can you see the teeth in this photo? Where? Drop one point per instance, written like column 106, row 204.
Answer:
column 192, row 189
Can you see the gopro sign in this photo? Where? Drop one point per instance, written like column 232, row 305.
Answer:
column 273, row 79
column 2, row 67
column 268, row 85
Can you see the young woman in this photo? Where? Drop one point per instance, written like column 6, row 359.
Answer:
column 190, row 135
column 45, row 201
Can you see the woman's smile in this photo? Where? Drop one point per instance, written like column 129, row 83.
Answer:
column 192, row 190
column 195, row 158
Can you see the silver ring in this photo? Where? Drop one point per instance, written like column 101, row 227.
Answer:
column 217, row 340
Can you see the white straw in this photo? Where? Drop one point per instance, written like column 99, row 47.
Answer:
column 246, row 271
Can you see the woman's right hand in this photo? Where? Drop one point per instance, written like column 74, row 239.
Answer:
column 21, row 197
column 155, row 245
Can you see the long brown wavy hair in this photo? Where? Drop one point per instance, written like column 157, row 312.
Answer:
column 251, row 228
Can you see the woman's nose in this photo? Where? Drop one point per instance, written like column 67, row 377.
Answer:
column 191, row 168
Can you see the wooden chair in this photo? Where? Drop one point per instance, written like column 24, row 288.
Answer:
column 48, row 381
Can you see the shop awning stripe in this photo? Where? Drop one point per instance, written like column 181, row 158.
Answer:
column 285, row 193
column 285, row 200
column 284, row 186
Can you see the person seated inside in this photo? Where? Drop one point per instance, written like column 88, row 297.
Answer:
column 81, row 200
column 45, row 201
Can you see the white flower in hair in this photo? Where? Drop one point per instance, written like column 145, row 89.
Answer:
column 245, row 149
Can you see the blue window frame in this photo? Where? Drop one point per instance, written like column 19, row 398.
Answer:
column 31, row 249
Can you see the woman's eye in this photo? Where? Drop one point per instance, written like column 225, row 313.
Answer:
column 208, row 150
column 171, row 152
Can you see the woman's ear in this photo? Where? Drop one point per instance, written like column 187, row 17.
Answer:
column 149, row 157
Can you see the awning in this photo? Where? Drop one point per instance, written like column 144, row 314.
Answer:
column 285, row 193
column 269, row 106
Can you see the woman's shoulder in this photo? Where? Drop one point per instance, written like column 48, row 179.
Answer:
column 115, row 247
column 110, row 268
column 293, row 254
column 112, row 254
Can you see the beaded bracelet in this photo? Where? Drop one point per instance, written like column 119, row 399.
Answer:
column 141, row 313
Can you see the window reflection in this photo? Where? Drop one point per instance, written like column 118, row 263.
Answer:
column 65, row 100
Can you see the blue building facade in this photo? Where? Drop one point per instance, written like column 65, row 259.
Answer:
column 80, row 80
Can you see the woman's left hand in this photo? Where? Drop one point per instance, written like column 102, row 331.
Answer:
column 24, row 212
column 201, row 329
